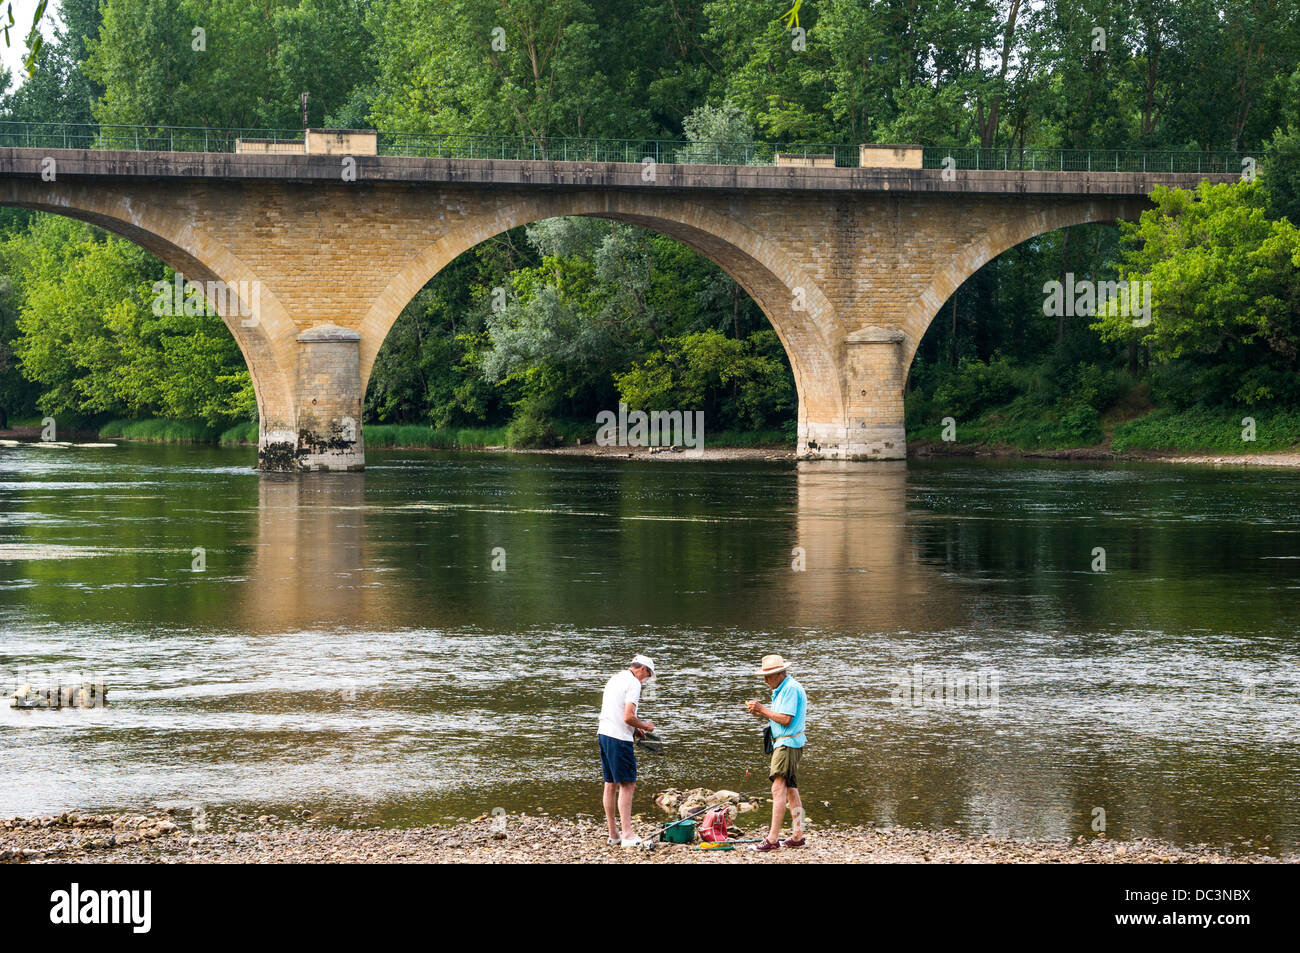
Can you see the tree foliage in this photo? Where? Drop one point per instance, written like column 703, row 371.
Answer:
column 90, row 339
column 1226, row 286
column 591, row 312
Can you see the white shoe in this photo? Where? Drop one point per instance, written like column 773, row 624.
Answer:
column 615, row 841
column 630, row 842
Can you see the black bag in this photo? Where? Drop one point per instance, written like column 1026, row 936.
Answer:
column 768, row 746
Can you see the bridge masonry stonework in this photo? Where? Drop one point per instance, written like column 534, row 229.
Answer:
column 850, row 265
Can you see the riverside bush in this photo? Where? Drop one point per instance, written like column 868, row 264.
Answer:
column 1206, row 429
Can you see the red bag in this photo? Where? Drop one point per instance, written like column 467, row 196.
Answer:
column 713, row 829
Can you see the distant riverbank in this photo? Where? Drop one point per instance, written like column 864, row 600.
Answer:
column 168, row 838
column 931, row 449
column 921, row 450
column 1187, row 445
column 1196, row 435
column 571, row 439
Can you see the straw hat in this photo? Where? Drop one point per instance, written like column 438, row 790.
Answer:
column 772, row 664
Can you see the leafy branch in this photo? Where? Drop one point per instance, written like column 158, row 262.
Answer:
column 34, row 39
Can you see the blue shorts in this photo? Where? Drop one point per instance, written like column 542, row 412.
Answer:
column 617, row 760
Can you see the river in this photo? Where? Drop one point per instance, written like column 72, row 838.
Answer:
column 428, row 639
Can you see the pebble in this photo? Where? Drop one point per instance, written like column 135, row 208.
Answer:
column 130, row 838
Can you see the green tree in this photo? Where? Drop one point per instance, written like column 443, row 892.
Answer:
column 227, row 63
column 1225, row 282
column 428, row 368
column 710, row 127
column 1281, row 175
column 738, row 383
column 17, row 394
column 1281, row 172
column 760, row 69
column 88, row 334
column 59, row 90
column 574, row 319
column 529, row 68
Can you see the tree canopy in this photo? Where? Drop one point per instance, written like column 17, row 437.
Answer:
column 559, row 319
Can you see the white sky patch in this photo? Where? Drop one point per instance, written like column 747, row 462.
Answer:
column 13, row 55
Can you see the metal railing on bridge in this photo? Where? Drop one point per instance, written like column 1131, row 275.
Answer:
column 1082, row 160
column 51, row 135
column 458, row 146
column 670, row 152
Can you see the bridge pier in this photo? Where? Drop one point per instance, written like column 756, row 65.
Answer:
column 870, row 425
column 325, row 433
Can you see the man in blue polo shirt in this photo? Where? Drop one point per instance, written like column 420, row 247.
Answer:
column 786, row 716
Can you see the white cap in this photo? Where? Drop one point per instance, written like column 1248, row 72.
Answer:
column 645, row 660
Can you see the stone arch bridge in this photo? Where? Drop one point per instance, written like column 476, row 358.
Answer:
column 849, row 264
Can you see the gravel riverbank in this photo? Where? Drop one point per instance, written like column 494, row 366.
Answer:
column 171, row 838
column 929, row 450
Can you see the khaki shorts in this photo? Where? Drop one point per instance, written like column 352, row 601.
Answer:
column 785, row 763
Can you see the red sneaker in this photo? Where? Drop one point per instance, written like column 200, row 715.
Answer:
column 765, row 845
column 791, row 842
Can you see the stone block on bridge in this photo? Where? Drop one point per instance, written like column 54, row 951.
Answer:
column 889, row 156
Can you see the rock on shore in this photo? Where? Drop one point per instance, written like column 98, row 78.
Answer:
column 166, row 838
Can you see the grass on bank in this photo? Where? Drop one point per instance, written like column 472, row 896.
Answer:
column 1218, row 430
column 378, row 436
column 559, row 433
column 153, row 430
column 1024, row 426
column 161, row 431
column 419, row 437
column 1081, row 406
column 415, row 436
column 1020, row 424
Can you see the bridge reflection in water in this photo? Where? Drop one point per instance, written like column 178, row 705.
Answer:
column 833, row 552
column 311, row 564
column 862, row 567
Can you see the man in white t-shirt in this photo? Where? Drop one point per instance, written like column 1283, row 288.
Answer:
column 619, row 728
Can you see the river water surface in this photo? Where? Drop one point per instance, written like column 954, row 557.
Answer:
column 346, row 644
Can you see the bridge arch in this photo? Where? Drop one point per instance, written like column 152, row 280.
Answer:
column 1013, row 231
column 179, row 243
column 806, row 325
